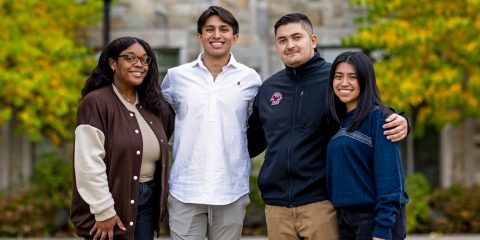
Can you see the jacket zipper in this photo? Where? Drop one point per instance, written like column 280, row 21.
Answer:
column 290, row 182
column 300, row 101
column 294, row 116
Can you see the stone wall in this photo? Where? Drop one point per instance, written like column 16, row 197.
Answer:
column 172, row 24
column 460, row 154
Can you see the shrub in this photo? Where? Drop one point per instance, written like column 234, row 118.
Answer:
column 43, row 209
column 418, row 209
column 254, row 223
column 456, row 209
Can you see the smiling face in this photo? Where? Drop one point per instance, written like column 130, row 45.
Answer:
column 129, row 74
column 345, row 85
column 295, row 44
column 217, row 38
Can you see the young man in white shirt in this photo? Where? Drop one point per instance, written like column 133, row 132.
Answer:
column 212, row 96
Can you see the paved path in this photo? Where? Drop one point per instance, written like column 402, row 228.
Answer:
column 413, row 237
column 409, row 237
column 444, row 237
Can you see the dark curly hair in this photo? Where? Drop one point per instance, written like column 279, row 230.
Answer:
column 148, row 91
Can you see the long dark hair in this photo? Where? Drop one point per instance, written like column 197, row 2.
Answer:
column 148, row 91
column 368, row 99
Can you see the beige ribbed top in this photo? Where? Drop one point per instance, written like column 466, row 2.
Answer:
column 151, row 147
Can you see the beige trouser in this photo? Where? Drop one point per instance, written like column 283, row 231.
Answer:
column 314, row 221
column 195, row 221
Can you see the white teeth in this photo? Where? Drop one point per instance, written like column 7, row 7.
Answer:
column 217, row 44
column 137, row 74
column 344, row 91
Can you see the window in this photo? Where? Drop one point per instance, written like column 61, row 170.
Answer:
column 329, row 53
column 166, row 58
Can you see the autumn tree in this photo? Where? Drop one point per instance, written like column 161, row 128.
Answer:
column 43, row 63
column 427, row 56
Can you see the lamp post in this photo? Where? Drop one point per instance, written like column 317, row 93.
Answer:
column 106, row 22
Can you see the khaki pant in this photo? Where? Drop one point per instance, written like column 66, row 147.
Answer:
column 314, row 221
column 195, row 221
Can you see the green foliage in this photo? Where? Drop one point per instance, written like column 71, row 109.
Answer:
column 43, row 63
column 255, row 218
column 42, row 210
column 428, row 60
column 452, row 210
column 255, row 196
column 456, row 210
column 418, row 209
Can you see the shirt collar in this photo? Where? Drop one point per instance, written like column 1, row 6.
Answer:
column 232, row 63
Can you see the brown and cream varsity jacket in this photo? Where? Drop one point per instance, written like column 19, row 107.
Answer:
column 107, row 162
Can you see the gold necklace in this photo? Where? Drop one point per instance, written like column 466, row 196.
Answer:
column 129, row 100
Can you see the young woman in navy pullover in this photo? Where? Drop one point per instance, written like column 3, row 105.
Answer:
column 364, row 170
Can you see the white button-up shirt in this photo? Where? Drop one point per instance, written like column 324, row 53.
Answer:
column 211, row 164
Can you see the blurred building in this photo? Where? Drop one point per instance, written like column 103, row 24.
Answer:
column 170, row 26
column 445, row 157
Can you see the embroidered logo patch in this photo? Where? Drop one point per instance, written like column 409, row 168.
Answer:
column 276, row 98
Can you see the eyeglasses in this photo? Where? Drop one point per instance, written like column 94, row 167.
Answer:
column 132, row 58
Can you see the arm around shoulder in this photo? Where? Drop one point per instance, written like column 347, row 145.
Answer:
column 255, row 134
column 396, row 127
